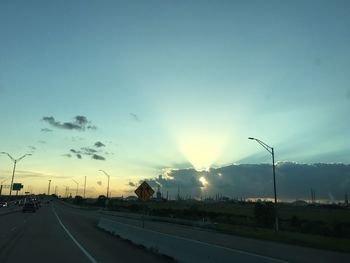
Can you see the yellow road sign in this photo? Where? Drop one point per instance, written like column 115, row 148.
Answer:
column 144, row 191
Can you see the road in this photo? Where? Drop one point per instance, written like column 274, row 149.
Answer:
column 56, row 233
column 60, row 233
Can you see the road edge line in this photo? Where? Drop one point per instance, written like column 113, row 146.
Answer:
column 87, row 254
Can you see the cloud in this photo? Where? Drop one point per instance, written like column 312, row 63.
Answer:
column 46, row 130
column 88, row 151
column 293, row 181
column 33, row 174
column 80, row 123
column 99, row 144
column 98, row 157
column 132, row 184
column 134, row 116
column 67, row 155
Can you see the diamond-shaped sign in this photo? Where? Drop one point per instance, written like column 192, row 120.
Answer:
column 144, row 191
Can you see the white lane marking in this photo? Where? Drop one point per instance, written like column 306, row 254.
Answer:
column 87, row 254
column 208, row 244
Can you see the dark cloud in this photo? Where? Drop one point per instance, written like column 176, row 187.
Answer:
column 99, row 144
column 134, row 116
column 293, row 181
column 98, row 157
column 132, row 184
column 88, row 151
column 81, row 120
column 95, row 154
column 32, row 148
column 99, row 183
column 80, row 123
column 46, row 130
column 67, row 155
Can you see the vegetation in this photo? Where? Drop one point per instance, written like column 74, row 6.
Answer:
column 322, row 226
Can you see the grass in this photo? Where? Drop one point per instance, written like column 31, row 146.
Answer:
column 314, row 241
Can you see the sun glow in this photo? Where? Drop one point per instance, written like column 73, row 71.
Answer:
column 201, row 150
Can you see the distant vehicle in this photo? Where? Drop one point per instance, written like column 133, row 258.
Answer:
column 29, row 207
column 3, row 204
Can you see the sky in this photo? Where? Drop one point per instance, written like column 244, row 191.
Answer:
column 138, row 88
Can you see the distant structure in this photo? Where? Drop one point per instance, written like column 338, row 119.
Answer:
column 313, row 196
column 346, row 200
column 159, row 194
column 178, row 193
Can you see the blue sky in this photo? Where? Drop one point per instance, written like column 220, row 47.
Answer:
column 171, row 84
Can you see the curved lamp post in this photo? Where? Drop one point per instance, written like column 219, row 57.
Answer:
column 15, row 161
column 107, row 183
column 271, row 151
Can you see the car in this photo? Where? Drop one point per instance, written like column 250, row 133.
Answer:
column 29, row 207
column 3, row 204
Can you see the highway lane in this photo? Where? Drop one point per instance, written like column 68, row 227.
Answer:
column 40, row 237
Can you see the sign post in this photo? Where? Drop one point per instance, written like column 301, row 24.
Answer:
column 144, row 192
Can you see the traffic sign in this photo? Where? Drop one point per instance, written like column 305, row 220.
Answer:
column 144, row 191
column 17, row 186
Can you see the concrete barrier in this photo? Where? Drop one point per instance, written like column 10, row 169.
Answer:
column 179, row 248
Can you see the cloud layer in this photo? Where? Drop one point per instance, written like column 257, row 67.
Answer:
column 293, row 180
column 80, row 123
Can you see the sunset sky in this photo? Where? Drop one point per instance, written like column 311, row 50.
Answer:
column 136, row 88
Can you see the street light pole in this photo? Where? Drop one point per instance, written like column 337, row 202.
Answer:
column 77, row 187
column 107, row 183
column 48, row 189
column 272, row 152
column 14, row 166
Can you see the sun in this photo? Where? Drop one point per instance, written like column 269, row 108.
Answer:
column 204, row 181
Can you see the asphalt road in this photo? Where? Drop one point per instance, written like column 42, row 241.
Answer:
column 56, row 233
column 59, row 233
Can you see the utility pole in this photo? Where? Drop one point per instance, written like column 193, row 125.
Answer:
column 84, row 186
column 2, row 185
column 67, row 190
column 77, row 187
column 107, row 183
column 48, row 189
